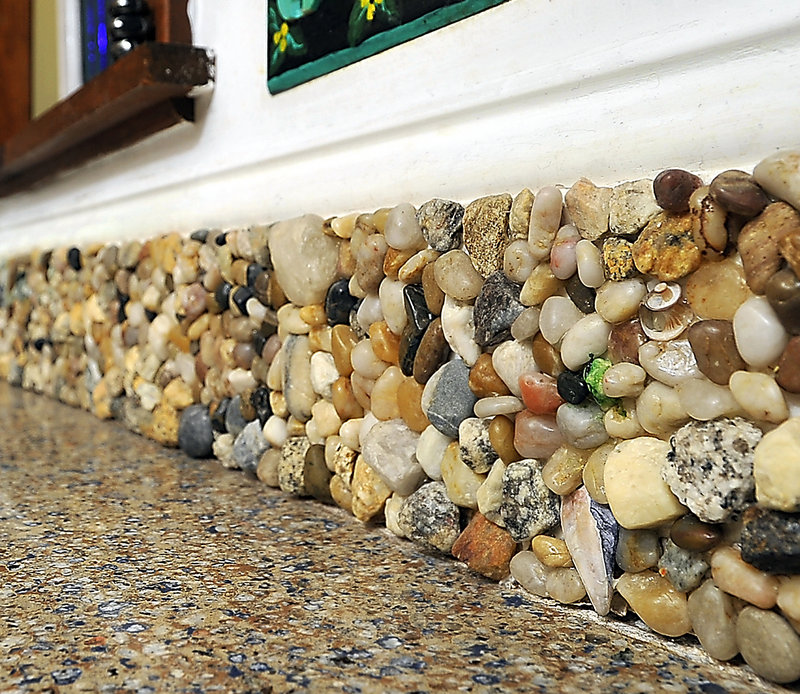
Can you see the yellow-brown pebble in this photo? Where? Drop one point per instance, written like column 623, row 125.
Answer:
column 666, row 247
column 343, row 339
column 385, row 344
column 409, row 402
column 483, row 379
column 347, row 407
column 551, row 551
column 501, row 436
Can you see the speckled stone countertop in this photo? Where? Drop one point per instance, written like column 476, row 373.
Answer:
column 128, row 567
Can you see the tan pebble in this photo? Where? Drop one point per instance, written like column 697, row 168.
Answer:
column 547, row 357
column 267, row 470
column 486, row 232
column 461, row 482
column 617, row 258
column 519, row 219
column 484, row 380
column 660, row 410
column 341, row 494
column 501, row 436
column 178, row 394
column 412, row 269
column 759, row 396
column 409, row 402
column 369, row 491
column 565, row 585
column 294, row 427
column 776, row 461
column 710, row 231
column 385, row 393
column 636, row 491
column 713, row 618
column 385, row 344
column 319, row 338
column 434, row 296
column 343, row 226
column 349, row 432
column 456, row 276
column 343, row 339
column 759, row 240
column 658, row 604
column 325, row 417
column 541, row 285
column 563, row 471
column 291, row 322
column 344, row 400
column 621, row 421
column 733, row 575
column 313, row 315
column 769, row 645
column 490, row 493
column 594, row 470
column 362, row 387
column 164, row 426
column 394, row 260
column 277, row 402
column 588, row 207
column 551, row 551
column 346, row 261
column 789, row 597
column 715, row 290
column 666, row 247
column 789, row 247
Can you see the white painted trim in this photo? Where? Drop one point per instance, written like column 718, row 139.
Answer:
column 526, row 94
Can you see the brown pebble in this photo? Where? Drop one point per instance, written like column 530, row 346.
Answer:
column 666, row 247
column 624, row 341
column 343, row 339
column 673, row 188
column 551, row 551
column 759, row 241
column 715, row 351
column 433, row 351
column 344, row 400
column 788, row 376
column 689, row 532
column 789, row 247
column 385, row 344
column 485, row 548
column 738, row 192
column 501, row 436
column 394, row 260
column 486, row 232
column 369, row 262
column 547, row 357
column 434, row 296
column 483, row 379
column 783, row 293
column 409, row 402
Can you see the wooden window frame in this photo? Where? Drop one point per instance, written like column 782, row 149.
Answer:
column 144, row 92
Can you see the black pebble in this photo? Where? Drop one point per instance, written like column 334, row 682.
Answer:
column 572, row 387
column 254, row 270
column 259, row 342
column 339, row 302
column 218, row 418
column 221, row 239
column 259, row 399
column 222, row 295
column 151, row 315
column 74, row 259
column 581, row 295
column 419, row 316
column 200, row 235
column 240, row 297
column 123, row 300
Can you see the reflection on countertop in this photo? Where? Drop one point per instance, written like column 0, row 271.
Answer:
column 128, row 567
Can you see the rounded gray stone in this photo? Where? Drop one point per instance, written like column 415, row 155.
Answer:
column 768, row 644
column 195, row 435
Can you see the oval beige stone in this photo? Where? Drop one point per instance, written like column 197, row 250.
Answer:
column 636, row 492
column 656, row 601
column 775, row 465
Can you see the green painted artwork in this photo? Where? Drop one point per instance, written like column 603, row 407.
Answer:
column 310, row 38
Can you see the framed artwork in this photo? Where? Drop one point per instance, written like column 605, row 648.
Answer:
column 310, row 38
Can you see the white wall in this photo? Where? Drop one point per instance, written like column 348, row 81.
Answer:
column 529, row 93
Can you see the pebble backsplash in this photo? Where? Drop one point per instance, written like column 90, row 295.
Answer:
column 592, row 392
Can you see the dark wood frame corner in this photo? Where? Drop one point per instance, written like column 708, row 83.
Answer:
column 145, row 91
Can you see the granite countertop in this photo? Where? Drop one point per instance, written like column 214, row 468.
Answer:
column 128, row 567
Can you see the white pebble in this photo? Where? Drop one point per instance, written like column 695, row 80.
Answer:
column 241, row 380
column 590, row 263
column 275, row 431
column 289, row 321
column 325, row 418
column 529, row 572
column 558, row 315
column 704, row 400
column 526, row 324
column 622, row 422
column 402, row 231
column 411, row 271
column 669, row 362
column 620, row 301
column 355, row 288
column 504, row 404
column 759, row 396
column 563, row 258
column 545, row 220
column 779, row 175
column 349, row 432
column 364, row 361
column 390, row 294
column 323, row 373
column 586, row 339
column 510, row 360
column 369, row 311
column 659, row 409
column 760, row 337
column 431, row 446
column 518, row 263
column 458, row 327
column 624, row 380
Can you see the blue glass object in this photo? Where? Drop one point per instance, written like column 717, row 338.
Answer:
column 94, row 38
